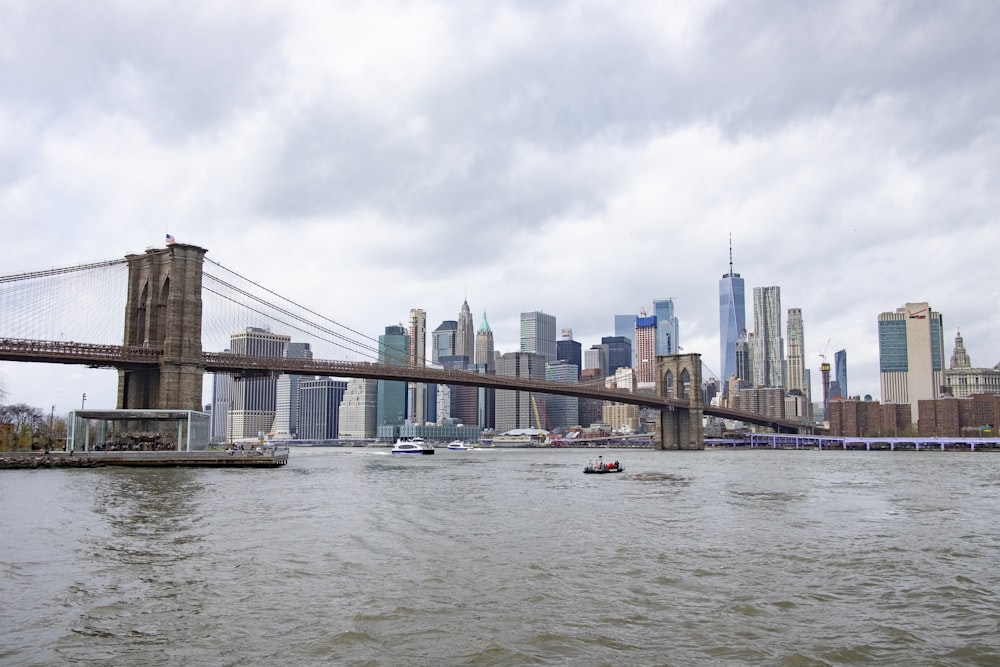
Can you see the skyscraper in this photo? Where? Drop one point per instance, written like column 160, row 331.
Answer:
column 667, row 327
column 562, row 411
column 768, row 354
column 732, row 321
column 393, row 349
column 484, row 345
column 253, row 399
column 538, row 334
column 625, row 327
column 911, row 355
column 515, row 409
column 418, row 357
column 464, row 336
column 795, row 330
column 485, row 362
column 358, row 409
column 840, row 371
column 443, row 340
column 286, row 415
column 319, row 403
column 645, row 351
column 569, row 350
column 619, row 352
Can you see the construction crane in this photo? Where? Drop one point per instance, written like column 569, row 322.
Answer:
column 538, row 420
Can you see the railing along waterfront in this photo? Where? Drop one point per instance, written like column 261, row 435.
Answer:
column 852, row 443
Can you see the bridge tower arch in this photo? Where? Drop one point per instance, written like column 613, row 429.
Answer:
column 163, row 310
column 679, row 376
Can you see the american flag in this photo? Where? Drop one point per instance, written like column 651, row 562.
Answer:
column 170, row 239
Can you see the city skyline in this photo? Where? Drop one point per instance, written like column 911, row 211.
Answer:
column 583, row 160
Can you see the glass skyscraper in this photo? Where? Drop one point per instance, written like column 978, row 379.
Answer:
column 538, row 334
column 732, row 322
column 840, row 371
column 911, row 355
column 667, row 327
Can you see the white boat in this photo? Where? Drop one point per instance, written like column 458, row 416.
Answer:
column 459, row 446
column 412, row 446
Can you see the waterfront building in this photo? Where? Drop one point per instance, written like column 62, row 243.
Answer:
column 286, row 415
column 222, row 384
column 619, row 350
column 563, row 411
column 538, row 334
column 515, row 409
column 359, row 409
column 732, row 321
column 393, row 349
column 645, row 350
column 319, row 408
column 443, row 340
column 840, row 372
column 417, row 391
column 911, row 355
column 768, row 352
column 962, row 380
column 253, row 398
column 625, row 328
column 667, row 327
column 569, row 350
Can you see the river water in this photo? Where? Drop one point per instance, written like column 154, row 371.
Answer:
column 508, row 557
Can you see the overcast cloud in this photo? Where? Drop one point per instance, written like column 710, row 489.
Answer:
column 581, row 158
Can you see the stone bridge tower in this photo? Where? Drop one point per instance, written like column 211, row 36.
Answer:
column 164, row 311
column 679, row 376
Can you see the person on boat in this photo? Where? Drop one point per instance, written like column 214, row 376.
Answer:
column 616, row 464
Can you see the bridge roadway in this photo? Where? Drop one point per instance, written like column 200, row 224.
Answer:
column 126, row 356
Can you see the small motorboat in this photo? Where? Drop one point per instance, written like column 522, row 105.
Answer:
column 459, row 446
column 412, row 446
column 600, row 467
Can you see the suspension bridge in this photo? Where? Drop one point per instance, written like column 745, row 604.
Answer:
column 163, row 318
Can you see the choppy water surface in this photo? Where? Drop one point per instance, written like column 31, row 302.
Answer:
column 508, row 557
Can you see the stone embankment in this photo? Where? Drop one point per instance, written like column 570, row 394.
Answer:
column 20, row 460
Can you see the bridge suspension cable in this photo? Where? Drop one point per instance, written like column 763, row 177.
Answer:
column 294, row 316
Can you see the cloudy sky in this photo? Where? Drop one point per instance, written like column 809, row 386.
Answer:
column 580, row 158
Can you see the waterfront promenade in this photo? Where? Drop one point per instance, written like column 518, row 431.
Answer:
column 269, row 457
column 872, row 443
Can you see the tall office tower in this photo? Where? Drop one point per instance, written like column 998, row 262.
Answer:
column 359, row 409
column 744, row 361
column 393, row 349
column 799, row 402
column 590, row 409
column 619, row 352
column 562, row 411
column 645, row 350
column 596, row 359
column 667, row 327
column 514, row 408
column 286, row 416
column 840, row 371
column 465, row 339
column 538, row 334
column 458, row 402
column 443, row 340
column 911, row 355
column 569, row 350
column 625, row 327
column 253, row 399
column 732, row 321
column 222, row 386
column 485, row 364
column 319, row 408
column 768, row 355
column 484, row 346
column 418, row 357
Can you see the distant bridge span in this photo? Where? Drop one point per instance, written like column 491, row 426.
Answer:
column 133, row 357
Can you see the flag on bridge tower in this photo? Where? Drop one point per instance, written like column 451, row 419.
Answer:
column 170, row 239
